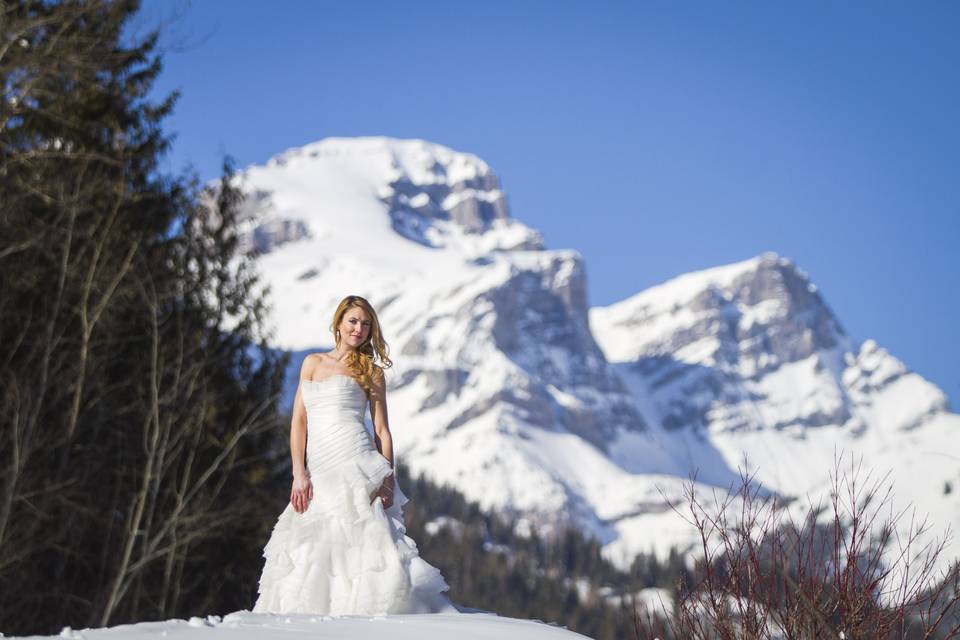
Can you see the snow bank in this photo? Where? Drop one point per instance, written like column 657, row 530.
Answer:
column 266, row 626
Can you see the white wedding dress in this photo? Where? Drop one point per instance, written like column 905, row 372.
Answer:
column 344, row 555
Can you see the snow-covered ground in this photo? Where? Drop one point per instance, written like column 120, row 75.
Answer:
column 259, row 626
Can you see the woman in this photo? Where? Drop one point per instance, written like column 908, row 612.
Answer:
column 339, row 547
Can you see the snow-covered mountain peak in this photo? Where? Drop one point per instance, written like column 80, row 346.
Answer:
column 377, row 190
column 763, row 277
column 755, row 314
column 421, row 161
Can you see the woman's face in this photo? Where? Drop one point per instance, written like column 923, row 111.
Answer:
column 355, row 327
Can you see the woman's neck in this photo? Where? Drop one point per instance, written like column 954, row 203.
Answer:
column 340, row 355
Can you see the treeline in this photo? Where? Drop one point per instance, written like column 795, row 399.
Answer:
column 136, row 390
column 562, row 579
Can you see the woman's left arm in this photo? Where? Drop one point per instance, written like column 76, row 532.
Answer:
column 381, row 430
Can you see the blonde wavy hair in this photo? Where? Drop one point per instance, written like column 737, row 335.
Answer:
column 361, row 361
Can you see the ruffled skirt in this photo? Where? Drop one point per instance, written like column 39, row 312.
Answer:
column 344, row 555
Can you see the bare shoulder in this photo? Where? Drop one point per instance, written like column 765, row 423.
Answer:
column 310, row 362
column 379, row 378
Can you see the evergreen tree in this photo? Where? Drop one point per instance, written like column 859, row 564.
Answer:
column 561, row 578
column 137, row 395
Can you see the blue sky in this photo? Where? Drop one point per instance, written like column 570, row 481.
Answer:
column 655, row 138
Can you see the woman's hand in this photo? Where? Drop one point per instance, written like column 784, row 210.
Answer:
column 301, row 493
column 385, row 492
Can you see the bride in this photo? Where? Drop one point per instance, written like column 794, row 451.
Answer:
column 339, row 547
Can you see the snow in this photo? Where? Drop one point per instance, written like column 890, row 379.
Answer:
column 787, row 420
column 332, row 186
column 654, row 600
column 434, row 526
column 452, row 303
column 667, row 305
column 257, row 626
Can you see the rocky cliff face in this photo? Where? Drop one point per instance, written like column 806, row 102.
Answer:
column 529, row 313
column 471, row 205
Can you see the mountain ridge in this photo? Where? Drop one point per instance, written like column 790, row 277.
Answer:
column 510, row 388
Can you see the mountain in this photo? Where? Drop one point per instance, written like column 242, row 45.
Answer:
column 748, row 361
column 508, row 387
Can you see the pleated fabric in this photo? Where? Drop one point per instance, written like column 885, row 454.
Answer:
column 346, row 554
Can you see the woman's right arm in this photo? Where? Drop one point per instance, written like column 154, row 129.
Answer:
column 302, row 491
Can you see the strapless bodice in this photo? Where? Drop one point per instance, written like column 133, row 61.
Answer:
column 335, row 430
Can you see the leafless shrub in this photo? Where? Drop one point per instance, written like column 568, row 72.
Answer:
column 850, row 566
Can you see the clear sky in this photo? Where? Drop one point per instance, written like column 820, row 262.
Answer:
column 657, row 138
